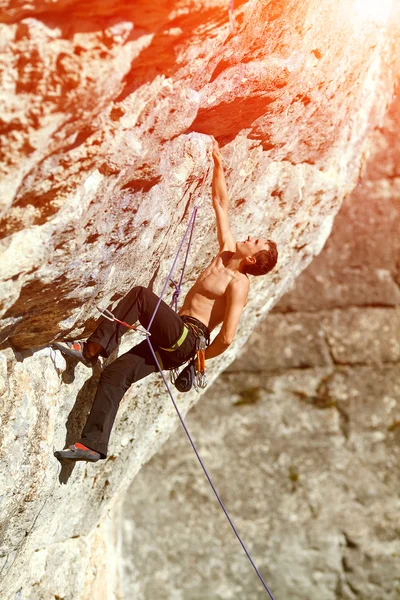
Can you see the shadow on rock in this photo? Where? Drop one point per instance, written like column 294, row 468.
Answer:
column 78, row 415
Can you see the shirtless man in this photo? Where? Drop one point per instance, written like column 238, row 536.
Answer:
column 218, row 296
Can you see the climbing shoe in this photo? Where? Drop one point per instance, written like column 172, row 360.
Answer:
column 78, row 452
column 76, row 350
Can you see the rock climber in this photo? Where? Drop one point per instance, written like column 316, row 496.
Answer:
column 218, row 296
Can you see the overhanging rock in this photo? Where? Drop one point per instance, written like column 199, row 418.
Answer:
column 106, row 109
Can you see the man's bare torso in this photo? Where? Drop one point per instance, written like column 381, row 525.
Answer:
column 206, row 300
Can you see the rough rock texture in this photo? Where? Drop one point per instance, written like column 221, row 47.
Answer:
column 301, row 434
column 104, row 111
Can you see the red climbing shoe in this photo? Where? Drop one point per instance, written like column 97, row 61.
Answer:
column 76, row 350
column 78, row 452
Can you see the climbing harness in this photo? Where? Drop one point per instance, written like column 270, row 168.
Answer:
column 197, row 364
column 178, row 342
column 194, row 374
column 156, row 358
column 201, row 363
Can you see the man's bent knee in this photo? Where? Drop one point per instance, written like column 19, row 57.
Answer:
column 114, row 377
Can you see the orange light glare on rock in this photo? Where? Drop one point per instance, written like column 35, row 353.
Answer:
column 373, row 10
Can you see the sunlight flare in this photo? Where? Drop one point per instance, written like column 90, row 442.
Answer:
column 373, row 10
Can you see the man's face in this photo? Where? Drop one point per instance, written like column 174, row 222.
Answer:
column 251, row 246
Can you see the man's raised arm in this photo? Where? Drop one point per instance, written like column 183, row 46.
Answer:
column 221, row 202
column 236, row 299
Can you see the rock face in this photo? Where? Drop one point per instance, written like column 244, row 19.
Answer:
column 105, row 111
column 301, row 434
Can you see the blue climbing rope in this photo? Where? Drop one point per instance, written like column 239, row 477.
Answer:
column 178, row 287
column 190, row 228
column 191, row 222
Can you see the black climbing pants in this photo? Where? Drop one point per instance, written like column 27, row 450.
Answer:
column 138, row 362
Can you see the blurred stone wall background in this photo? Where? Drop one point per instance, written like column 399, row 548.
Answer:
column 301, row 434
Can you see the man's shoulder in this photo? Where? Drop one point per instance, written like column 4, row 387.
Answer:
column 225, row 256
column 239, row 285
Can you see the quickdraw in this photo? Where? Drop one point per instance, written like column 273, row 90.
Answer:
column 201, row 362
column 194, row 374
column 107, row 314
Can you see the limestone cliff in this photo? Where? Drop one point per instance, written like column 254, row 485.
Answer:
column 105, row 111
column 301, row 434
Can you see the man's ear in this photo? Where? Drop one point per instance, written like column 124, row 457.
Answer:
column 251, row 260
